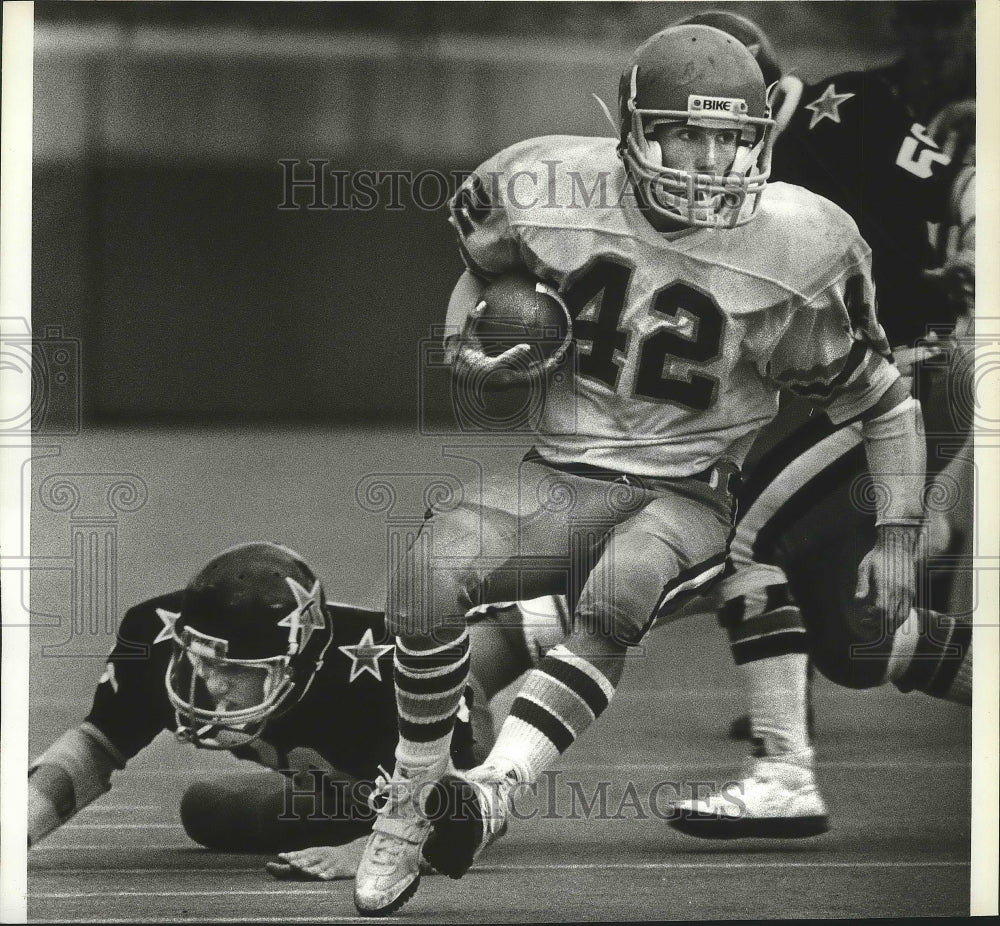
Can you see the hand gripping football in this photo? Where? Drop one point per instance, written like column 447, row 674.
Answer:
column 517, row 308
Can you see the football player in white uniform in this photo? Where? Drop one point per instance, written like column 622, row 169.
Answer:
column 695, row 298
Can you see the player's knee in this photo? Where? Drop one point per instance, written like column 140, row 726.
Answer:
column 856, row 653
column 453, row 592
column 441, row 563
column 202, row 814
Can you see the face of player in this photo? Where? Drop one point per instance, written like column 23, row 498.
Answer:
column 693, row 149
column 697, row 149
column 232, row 687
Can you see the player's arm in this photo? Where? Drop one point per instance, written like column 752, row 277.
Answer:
column 896, row 454
column 129, row 709
column 489, row 247
column 72, row 773
column 835, row 353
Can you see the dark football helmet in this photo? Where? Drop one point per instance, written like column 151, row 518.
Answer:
column 699, row 76
column 250, row 637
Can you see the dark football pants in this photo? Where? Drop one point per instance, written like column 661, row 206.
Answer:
column 260, row 812
column 814, row 520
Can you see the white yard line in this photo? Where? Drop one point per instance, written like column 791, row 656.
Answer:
column 832, row 763
column 569, row 866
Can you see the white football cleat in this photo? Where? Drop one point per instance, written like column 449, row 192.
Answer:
column 389, row 871
column 778, row 799
column 472, row 818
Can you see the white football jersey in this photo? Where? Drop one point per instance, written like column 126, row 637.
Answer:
column 684, row 339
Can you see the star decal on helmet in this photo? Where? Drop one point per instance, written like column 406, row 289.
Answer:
column 308, row 613
column 365, row 654
column 169, row 618
column 827, row 106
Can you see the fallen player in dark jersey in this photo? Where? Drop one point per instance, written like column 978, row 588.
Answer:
column 249, row 658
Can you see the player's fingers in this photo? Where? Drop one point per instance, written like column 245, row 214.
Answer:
column 472, row 359
column 907, row 357
column 862, row 584
column 477, row 310
column 516, row 356
column 556, row 360
column 285, row 871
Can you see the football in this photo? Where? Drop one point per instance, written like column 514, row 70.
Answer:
column 517, row 308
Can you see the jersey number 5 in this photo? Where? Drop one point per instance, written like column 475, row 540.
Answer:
column 692, row 333
column 919, row 153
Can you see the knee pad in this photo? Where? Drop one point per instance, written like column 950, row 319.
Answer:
column 434, row 576
column 852, row 648
column 265, row 813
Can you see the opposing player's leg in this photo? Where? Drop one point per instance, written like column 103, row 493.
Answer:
column 778, row 793
column 767, row 633
column 268, row 813
column 673, row 547
column 818, row 533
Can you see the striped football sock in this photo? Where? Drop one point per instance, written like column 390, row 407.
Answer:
column 770, row 651
column 430, row 682
column 556, row 703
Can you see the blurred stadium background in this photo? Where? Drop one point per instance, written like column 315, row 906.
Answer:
column 245, row 369
column 158, row 130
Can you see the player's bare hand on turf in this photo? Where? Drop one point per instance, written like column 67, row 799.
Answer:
column 887, row 574
column 318, row 863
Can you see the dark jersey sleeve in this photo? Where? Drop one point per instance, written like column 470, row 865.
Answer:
column 853, row 140
column 130, row 704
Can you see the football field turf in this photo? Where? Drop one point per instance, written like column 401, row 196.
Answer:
column 894, row 768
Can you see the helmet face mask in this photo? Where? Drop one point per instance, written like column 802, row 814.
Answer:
column 198, row 665
column 697, row 76
column 249, row 639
